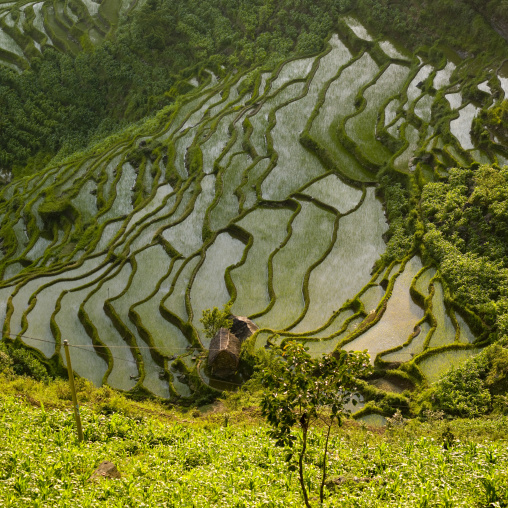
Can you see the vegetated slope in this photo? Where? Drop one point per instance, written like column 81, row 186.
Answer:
column 258, row 187
column 148, row 48
column 57, row 100
column 225, row 458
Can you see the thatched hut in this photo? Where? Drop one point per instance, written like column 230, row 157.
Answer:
column 224, row 353
column 243, row 327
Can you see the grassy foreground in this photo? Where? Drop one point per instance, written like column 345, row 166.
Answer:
column 221, row 456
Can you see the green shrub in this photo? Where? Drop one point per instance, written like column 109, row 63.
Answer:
column 474, row 389
column 5, row 361
column 462, row 393
column 465, row 233
column 497, row 376
column 26, row 363
column 500, row 404
column 301, row 392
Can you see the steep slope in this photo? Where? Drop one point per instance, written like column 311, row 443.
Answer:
column 259, row 188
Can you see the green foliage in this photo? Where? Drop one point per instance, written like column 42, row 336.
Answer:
column 215, row 319
column 400, row 233
column 5, row 361
column 22, row 362
column 466, row 222
column 62, row 102
column 497, row 374
column 473, row 389
column 462, row 393
column 492, row 123
column 419, row 24
column 195, row 459
column 301, row 391
column 53, row 105
column 500, row 404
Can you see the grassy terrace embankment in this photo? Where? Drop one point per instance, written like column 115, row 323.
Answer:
column 221, row 456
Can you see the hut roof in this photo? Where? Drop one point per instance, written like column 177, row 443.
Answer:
column 224, row 353
column 243, row 327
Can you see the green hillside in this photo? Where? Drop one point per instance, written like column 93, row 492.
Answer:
column 221, row 456
column 334, row 170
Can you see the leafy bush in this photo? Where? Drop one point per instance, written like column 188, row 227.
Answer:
column 500, row 404
column 462, row 393
column 474, row 389
column 5, row 361
column 26, row 363
column 497, row 374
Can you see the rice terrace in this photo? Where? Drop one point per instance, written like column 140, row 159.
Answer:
column 337, row 175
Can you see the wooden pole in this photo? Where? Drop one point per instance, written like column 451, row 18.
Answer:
column 73, row 391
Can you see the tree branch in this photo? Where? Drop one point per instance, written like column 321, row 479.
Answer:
column 300, row 467
column 325, row 454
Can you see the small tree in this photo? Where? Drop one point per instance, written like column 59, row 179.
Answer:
column 215, row 319
column 301, row 390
